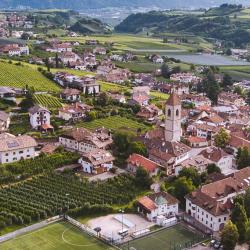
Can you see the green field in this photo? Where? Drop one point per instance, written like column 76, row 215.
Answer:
column 114, row 123
column 237, row 72
column 174, row 238
column 21, row 76
column 57, row 236
column 47, row 101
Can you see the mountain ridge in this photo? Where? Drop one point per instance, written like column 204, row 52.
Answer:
column 87, row 4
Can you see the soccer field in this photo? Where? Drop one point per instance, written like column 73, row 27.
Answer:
column 175, row 238
column 57, row 236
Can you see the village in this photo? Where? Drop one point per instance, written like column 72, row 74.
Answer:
column 181, row 134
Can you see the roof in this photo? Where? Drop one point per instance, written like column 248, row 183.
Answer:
column 69, row 92
column 4, row 116
column 214, row 154
column 195, row 139
column 36, row 109
column 173, row 100
column 11, row 142
column 141, row 161
column 98, row 157
column 152, row 201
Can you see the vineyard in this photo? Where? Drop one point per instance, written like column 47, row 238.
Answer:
column 20, row 76
column 114, row 123
column 12, row 172
column 47, row 101
column 45, row 196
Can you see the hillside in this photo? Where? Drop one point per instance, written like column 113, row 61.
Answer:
column 219, row 26
column 21, row 76
column 83, row 4
column 90, row 26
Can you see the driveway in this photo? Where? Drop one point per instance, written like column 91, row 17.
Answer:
column 106, row 175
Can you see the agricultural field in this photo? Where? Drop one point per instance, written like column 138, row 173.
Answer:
column 177, row 237
column 237, row 72
column 21, row 76
column 108, row 86
column 47, row 101
column 136, row 43
column 114, row 123
column 56, row 236
column 139, row 67
column 48, row 195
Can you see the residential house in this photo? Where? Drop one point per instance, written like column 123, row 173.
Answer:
column 158, row 204
column 87, row 84
column 229, row 98
column 84, row 141
column 14, row 49
column 96, row 161
column 60, row 48
column 100, row 51
column 8, row 93
column 71, row 95
column 219, row 157
column 74, row 112
column 197, row 100
column 157, row 59
column 185, row 78
column 211, row 205
column 117, row 97
column 135, row 161
column 40, row 118
column 68, row 58
column 14, row 148
column 149, row 112
column 197, row 142
column 4, row 121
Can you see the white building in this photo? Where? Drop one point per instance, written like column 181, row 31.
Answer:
column 219, row 157
column 39, row 117
column 14, row 148
column 211, row 205
column 84, row 141
column 96, row 161
column 158, row 204
column 4, row 121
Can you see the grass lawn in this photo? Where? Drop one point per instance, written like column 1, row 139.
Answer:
column 57, row 236
column 20, row 76
column 114, row 123
column 174, row 238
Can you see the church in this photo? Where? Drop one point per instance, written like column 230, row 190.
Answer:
column 164, row 143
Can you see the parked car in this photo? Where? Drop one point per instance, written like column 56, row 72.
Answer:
column 212, row 243
column 217, row 245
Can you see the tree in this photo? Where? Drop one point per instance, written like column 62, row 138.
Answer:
column 227, row 80
column 247, row 234
column 229, row 236
column 91, row 115
column 239, row 218
column 181, row 187
column 192, row 174
column 213, row 168
column 228, row 52
column 57, row 60
column 192, row 67
column 122, row 140
column 142, row 178
column 243, row 157
column 247, row 202
column 165, row 71
column 103, row 99
column 238, row 90
column 222, row 138
column 86, row 91
column 138, row 148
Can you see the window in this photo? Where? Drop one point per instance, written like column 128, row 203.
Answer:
column 225, row 218
column 6, row 154
column 169, row 112
column 177, row 112
column 20, row 152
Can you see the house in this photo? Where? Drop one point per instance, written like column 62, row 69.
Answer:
column 84, row 141
column 197, row 100
column 196, row 142
column 69, row 57
column 135, row 161
column 140, row 96
column 87, row 84
column 117, row 76
column 60, row 48
column 71, row 95
column 219, row 157
column 89, row 60
column 211, row 205
column 158, row 204
column 14, row 148
column 149, row 112
column 8, row 93
column 64, row 79
column 96, row 161
column 179, row 88
column 117, row 97
column 143, row 79
column 157, row 59
column 74, row 111
column 199, row 162
column 91, row 42
column 185, row 78
column 40, row 118
column 239, row 139
column 14, row 49
column 100, row 51
column 229, row 98
column 4, row 121
column 230, row 109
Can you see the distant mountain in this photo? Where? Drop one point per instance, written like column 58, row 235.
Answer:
column 86, row 4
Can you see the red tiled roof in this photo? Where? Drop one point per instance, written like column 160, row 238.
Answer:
column 173, row 100
column 195, row 139
column 147, row 203
column 139, row 160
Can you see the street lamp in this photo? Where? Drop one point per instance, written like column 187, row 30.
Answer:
column 122, row 212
